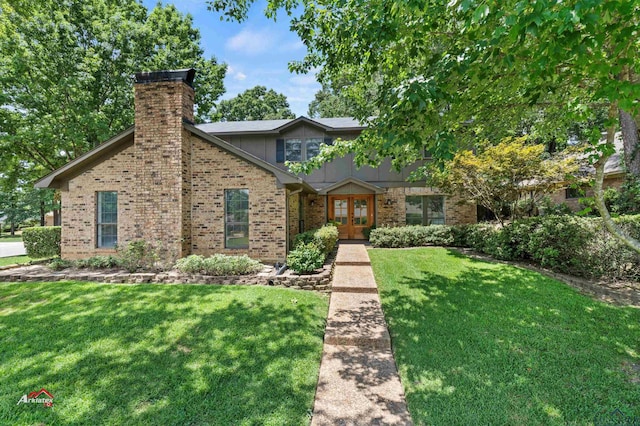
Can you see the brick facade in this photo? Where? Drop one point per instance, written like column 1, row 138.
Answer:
column 559, row 197
column 79, row 233
column 215, row 170
column 394, row 213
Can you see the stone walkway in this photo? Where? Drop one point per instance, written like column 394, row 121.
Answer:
column 359, row 382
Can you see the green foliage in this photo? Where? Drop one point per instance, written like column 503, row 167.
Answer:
column 305, row 258
column 557, row 241
column 59, row 264
column 97, row 262
column 139, row 255
column 324, row 238
column 65, row 72
column 507, row 178
column 257, row 103
column 42, row 242
column 218, row 264
column 411, row 236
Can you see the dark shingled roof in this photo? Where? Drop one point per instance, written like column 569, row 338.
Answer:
column 275, row 126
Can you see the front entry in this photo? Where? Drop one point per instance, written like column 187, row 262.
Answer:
column 352, row 213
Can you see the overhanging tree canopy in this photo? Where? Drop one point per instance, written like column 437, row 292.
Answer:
column 453, row 71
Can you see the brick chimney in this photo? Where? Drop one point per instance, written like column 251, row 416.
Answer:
column 163, row 100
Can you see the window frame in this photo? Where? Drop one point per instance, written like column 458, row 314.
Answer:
column 304, row 145
column 227, row 224
column 100, row 224
column 426, row 218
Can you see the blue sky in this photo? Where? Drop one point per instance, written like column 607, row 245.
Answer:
column 257, row 51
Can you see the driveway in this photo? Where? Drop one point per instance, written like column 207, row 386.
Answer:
column 12, row 249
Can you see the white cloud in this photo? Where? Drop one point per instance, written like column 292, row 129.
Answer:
column 251, row 42
column 240, row 76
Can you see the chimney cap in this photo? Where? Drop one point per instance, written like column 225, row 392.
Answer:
column 186, row 75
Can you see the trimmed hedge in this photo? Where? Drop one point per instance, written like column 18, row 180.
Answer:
column 42, row 241
column 564, row 243
column 412, row 236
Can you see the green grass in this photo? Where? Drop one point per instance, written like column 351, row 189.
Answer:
column 485, row 343
column 159, row 354
column 13, row 260
column 7, row 238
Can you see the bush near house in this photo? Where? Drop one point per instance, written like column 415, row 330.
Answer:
column 41, row 242
column 219, row 264
column 564, row 243
column 311, row 248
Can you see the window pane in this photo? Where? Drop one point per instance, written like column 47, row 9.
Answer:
column 340, row 211
column 293, row 150
column 435, row 209
column 236, row 218
column 107, row 215
column 414, row 210
column 360, row 216
column 313, row 147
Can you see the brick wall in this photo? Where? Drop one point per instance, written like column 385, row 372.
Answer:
column 294, row 214
column 314, row 215
column 394, row 214
column 162, row 165
column 215, row 170
column 79, row 232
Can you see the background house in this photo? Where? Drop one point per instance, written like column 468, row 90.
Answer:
column 223, row 187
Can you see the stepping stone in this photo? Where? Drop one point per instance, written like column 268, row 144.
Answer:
column 359, row 386
column 356, row 319
column 355, row 279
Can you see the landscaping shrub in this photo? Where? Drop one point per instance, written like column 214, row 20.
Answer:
column 305, row 258
column 42, row 242
column 558, row 241
column 58, row 264
column 219, row 264
column 141, row 255
column 412, row 236
column 97, row 262
column 324, row 238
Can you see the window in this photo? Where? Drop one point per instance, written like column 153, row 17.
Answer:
column 293, row 150
column 302, row 149
column 107, row 213
column 571, row 193
column 425, row 210
column 236, row 218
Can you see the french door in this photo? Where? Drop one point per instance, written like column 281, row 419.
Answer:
column 352, row 214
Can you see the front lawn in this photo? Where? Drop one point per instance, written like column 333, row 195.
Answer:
column 485, row 343
column 15, row 260
column 159, row 354
column 8, row 238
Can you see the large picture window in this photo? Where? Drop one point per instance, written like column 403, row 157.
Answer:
column 425, row 210
column 107, row 213
column 236, row 218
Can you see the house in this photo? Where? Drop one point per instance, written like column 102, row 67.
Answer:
column 224, row 187
column 614, row 177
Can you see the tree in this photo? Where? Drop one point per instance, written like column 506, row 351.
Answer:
column 328, row 103
column 505, row 176
column 66, row 67
column 257, row 103
column 337, row 98
column 456, row 71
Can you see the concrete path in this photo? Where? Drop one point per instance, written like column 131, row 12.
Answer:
column 12, row 249
column 359, row 382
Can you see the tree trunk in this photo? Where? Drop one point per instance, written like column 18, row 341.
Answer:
column 611, row 226
column 42, row 213
column 630, row 136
